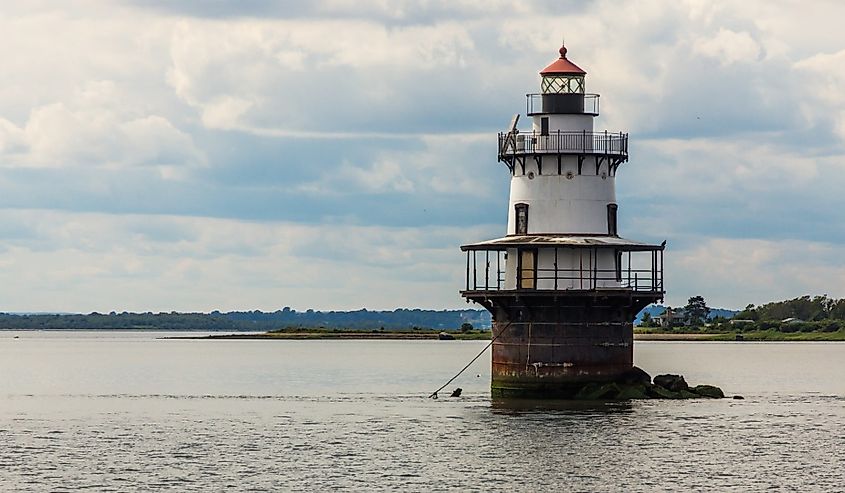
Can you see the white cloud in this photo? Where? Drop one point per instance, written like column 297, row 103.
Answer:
column 735, row 113
column 94, row 128
column 225, row 112
column 824, row 76
column 437, row 165
column 84, row 262
column 729, row 47
column 734, row 272
column 286, row 75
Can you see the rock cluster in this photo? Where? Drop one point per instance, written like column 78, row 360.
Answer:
column 637, row 384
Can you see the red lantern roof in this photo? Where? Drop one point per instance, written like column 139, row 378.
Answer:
column 562, row 66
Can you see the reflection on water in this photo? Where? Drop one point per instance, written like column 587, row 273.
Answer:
column 125, row 411
column 524, row 406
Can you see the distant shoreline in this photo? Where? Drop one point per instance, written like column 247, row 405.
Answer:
column 346, row 335
column 433, row 334
column 485, row 336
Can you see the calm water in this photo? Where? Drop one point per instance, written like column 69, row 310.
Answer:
column 126, row 411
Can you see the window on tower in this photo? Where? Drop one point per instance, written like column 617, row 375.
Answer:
column 521, row 211
column 611, row 219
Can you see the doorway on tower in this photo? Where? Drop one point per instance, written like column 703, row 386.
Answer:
column 527, row 269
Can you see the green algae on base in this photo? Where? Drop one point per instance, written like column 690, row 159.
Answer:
column 634, row 384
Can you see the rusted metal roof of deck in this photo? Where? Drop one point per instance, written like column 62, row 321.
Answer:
column 563, row 241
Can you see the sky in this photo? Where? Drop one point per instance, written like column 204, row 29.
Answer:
column 248, row 154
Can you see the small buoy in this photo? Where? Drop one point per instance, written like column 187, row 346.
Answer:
column 457, row 392
column 739, row 397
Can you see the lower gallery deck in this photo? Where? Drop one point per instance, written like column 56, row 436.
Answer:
column 559, row 324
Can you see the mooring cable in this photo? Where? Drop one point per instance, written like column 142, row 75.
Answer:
column 495, row 336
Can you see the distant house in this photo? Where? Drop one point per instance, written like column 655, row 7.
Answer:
column 791, row 320
column 672, row 318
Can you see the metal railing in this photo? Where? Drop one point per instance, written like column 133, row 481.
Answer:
column 515, row 143
column 487, row 271
column 534, row 104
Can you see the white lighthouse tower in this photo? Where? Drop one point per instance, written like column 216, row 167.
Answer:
column 562, row 285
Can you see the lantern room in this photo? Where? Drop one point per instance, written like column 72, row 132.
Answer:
column 562, row 89
column 562, row 77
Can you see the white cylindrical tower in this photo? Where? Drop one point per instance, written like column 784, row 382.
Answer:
column 562, row 192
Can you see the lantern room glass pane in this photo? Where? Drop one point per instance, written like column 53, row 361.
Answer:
column 562, row 84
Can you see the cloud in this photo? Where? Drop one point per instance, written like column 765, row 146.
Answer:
column 729, row 47
column 84, row 262
column 94, row 129
column 280, row 76
column 165, row 137
column 825, row 78
column 450, row 165
column 756, row 271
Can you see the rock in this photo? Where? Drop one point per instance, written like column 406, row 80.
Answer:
column 635, row 376
column 445, row 336
column 739, row 397
column 629, row 392
column 708, row 391
column 675, row 383
column 598, row 392
column 636, row 384
column 658, row 392
column 457, row 392
column 686, row 394
column 585, row 391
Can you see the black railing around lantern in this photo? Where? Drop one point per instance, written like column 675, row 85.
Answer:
column 534, row 104
column 583, row 142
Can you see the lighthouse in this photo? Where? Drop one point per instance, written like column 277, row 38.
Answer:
column 562, row 285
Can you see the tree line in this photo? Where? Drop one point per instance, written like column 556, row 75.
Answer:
column 253, row 320
column 802, row 314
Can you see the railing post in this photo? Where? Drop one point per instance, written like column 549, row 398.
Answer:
column 661, row 270
column 474, row 271
column 498, row 271
column 596, row 269
column 653, row 269
column 580, row 268
column 467, row 270
column 486, row 270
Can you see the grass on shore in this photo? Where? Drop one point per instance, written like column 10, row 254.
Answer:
column 324, row 333
column 756, row 335
column 774, row 335
column 760, row 335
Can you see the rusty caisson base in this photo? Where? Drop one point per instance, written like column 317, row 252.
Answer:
column 551, row 344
